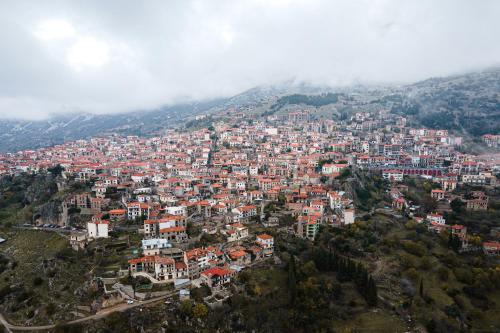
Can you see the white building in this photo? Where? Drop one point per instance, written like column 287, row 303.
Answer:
column 235, row 232
column 329, row 169
column 244, row 212
column 154, row 246
column 266, row 242
column 176, row 210
column 98, row 229
column 348, row 216
column 336, row 199
column 271, row 130
column 138, row 209
column 393, row 175
column 436, row 218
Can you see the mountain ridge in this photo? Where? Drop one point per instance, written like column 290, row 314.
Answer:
column 468, row 103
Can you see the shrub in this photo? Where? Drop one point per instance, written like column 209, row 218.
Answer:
column 37, row 281
column 425, row 263
column 443, row 273
column 186, row 308
column 67, row 328
column 414, row 248
column 50, row 309
column 464, row 275
column 5, row 291
column 407, row 261
column 460, row 301
column 412, row 274
column 200, row 310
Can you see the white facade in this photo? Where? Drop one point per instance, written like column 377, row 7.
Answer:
column 153, row 246
column 177, row 210
column 436, row 218
column 349, row 216
column 393, row 175
column 97, row 229
column 266, row 242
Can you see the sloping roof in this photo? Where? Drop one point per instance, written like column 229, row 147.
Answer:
column 217, row 271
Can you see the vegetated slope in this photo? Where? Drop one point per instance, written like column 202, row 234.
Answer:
column 313, row 100
column 18, row 135
column 470, row 102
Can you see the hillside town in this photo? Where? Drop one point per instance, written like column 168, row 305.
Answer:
column 208, row 202
column 222, row 178
column 293, row 166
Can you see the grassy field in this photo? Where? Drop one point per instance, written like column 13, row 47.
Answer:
column 15, row 214
column 373, row 321
column 44, row 279
column 267, row 280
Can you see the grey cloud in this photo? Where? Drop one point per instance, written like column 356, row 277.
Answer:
column 130, row 55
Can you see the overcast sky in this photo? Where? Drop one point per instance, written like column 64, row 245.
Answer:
column 112, row 56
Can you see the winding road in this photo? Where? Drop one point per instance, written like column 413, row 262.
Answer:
column 99, row 315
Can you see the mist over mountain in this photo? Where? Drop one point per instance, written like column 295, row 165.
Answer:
column 25, row 134
column 468, row 103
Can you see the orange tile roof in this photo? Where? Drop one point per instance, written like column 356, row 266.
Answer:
column 142, row 259
column 264, row 236
column 172, row 229
column 237, row 254
column 217, row 271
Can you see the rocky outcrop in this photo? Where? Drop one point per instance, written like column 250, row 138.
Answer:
column 42, row 187
column 50, row 212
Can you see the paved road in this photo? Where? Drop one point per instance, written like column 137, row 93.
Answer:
column 62, row 230
column 5, row 324
column 99, row 315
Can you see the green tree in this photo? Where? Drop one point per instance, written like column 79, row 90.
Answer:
column 292, row 280
column 200, row 310
column 371, row 294
column 37, row 281
column 186, row 308
column 429, row 204
column 50, row 309
column 454, row 242
column 443, row 273
column 309, row 269
column 457, row 205
column 56, row 170
column 337, row 290
column 344, row 174
column 67, row 328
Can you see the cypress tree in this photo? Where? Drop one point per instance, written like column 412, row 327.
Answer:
column 292, row 280
column 351, row 268
column 363, row 285
column 341, row 271
column 335, row 262
column 330, row 260
column 371, row 295
column 322, row 261
column 454, row 242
